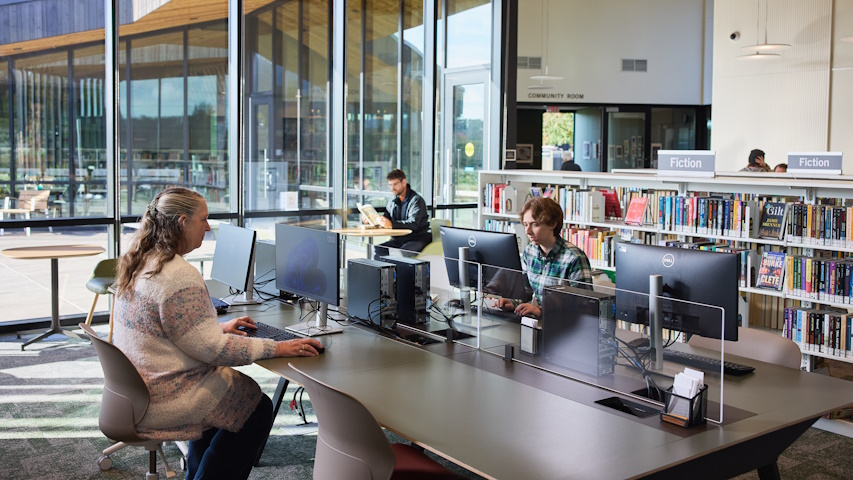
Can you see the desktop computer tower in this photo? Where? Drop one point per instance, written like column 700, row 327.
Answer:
column 372, row 291
column 579, row 329
column 412, row 288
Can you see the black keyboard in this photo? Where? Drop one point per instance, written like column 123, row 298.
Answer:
column 497, row 313
column 268, row 331
column 219, row 304
column 706, row 363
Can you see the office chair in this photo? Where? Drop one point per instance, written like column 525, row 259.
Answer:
column 756, row 344
column 123, row 405
column 434, row 247
column 100, row 281
column 351, row 444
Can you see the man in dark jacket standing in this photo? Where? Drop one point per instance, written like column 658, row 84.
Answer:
column 406, row 210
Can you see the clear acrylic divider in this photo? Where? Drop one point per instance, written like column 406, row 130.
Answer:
column 602, row 336
column 589, row 332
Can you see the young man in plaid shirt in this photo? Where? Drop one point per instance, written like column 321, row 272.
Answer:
column 549, row 259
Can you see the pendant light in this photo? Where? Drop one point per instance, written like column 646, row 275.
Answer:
column 547, row 76
column 761, row 49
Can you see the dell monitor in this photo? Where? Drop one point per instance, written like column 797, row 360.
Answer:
column 700, row 276
column 495, row 249
column 233, row 261
column 306, row 264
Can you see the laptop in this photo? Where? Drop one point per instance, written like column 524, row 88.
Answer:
column 370, row 214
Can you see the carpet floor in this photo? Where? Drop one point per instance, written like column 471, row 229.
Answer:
column 50, row 395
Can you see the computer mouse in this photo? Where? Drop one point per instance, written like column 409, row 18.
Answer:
column 321, row 350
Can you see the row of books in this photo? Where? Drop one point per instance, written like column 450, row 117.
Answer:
column 501, row 198
column 582, row 205
column 811, row 224
column 820, row 330
column 819, row 279
column 748, row 259
column 708, row 216
column 598, row 244
column 649, row 217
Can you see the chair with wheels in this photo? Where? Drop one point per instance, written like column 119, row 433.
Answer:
column 99, row 283
column 756, row 344
column 352, row 445
column 123, row 405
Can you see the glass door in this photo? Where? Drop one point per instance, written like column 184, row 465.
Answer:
column 465, row 131
column 625, row 140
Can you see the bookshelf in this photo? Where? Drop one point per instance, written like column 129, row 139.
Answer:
column 811, row 192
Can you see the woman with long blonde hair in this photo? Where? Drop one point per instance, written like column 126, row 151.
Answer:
column 166, row 325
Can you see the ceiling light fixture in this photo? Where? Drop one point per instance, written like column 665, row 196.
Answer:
column 540, row 86
column 762, row 47
column 546, row 76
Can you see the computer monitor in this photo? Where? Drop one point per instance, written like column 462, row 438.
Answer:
column 234, row 261
column 496, row 249
column 701, row 276
column 306, row 264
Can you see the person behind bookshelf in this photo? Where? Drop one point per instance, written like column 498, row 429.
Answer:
column 780, row 168
column 548, row 259
column 756, row 162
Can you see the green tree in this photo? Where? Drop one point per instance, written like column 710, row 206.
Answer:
column 558, row 128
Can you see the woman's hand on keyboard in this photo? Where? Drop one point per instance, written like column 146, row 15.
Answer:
column 298, row 347
column 231, row 326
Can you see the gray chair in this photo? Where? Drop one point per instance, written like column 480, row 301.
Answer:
column 123, row 405
column 99, row 283
column 756, row 344
column 352, row 445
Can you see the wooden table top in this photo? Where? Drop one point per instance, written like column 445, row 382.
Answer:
column 373, row 232
column 52, row 251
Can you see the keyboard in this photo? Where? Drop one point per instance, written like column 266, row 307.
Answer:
column 218, row 304
column 706, row 363
column 503, row 314
column 268, row 331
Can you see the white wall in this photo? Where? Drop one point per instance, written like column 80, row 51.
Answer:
column 587, row 40
column 777, row 105
column 841, row 84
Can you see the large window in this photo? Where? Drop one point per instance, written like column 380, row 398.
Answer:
column 288, row 161
column 175, row 125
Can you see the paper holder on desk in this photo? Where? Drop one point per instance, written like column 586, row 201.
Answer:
column 675, row 406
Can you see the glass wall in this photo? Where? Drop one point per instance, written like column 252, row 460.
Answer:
column 87, row 192
column 382, row 38
column 174, row 117
column 52, row 138
column 173, row 110
column 5, row 134
column 287, row 98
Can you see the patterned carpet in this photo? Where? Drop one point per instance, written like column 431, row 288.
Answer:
column 50, row 394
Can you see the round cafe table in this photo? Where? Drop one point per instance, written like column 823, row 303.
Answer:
column 54, row 253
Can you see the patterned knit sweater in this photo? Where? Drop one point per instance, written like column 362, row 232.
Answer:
column 170, row 333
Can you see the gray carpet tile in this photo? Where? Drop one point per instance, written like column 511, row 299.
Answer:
column 49, row 400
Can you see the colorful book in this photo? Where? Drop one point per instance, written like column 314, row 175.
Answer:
column 636, row 211
column 771, row 270
column 772, row 223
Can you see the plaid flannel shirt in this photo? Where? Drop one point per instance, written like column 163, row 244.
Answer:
column 563, row 261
